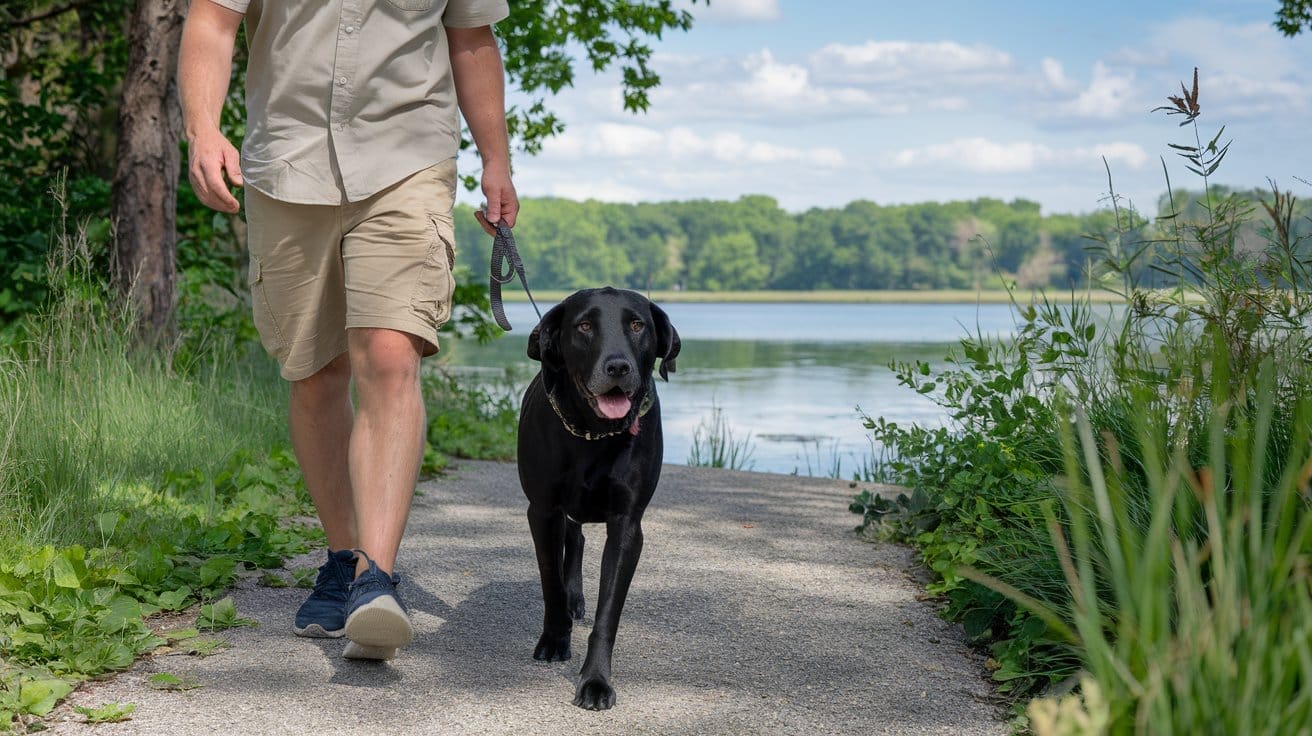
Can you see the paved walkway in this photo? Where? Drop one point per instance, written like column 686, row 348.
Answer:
column 755, row 610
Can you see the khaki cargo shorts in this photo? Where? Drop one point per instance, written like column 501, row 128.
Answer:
column 317, row 271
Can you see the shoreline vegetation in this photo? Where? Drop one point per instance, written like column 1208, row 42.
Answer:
column 839, row 296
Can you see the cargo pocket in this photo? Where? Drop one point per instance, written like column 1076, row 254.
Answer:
column 265, row 324
column 436, row 284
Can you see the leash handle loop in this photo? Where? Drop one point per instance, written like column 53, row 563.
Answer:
column 506, row 264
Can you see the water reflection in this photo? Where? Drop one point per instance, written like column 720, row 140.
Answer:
column 787, row 377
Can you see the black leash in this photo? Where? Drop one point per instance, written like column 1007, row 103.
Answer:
column 505, row 265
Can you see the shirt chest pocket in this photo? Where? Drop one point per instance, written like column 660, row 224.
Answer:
column 411, row 4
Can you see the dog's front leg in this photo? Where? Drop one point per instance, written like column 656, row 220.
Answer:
column 574, row 568
column 618, row 561
column 548, row 528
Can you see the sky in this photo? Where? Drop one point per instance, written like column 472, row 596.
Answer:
column 821, row 103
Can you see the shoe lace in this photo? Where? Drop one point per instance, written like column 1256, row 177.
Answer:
column 331, row 575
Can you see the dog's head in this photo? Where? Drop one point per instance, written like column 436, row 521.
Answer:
column 604, row 344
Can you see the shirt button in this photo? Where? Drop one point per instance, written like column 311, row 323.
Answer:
column 341, row 81
column 349, row 29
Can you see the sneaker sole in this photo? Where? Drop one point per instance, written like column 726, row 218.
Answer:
column 315, row 631
column 380, row 623
column 361, row 651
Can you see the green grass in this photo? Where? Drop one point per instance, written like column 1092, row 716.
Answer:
column 131, row 482
column 1195, row 617
column 714, row 446
column 87, row 430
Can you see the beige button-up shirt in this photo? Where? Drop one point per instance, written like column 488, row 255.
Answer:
column 346, row 97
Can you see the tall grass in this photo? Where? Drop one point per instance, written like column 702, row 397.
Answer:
column 86, row 416
column 1196, row 618
column 714, row 446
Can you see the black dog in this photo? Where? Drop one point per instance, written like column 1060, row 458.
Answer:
column 590, row 450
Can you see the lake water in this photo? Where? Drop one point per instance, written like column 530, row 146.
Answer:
column 787, row 379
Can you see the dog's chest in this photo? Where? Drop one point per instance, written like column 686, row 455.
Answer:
column 590, row 493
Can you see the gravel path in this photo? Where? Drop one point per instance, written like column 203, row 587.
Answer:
column 755, row 610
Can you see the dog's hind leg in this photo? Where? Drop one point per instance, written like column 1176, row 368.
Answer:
column 574, row 569
column 548, row 530
column 618, row 563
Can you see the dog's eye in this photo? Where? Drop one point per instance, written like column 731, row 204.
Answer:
column 637, row 325
column 585, row 327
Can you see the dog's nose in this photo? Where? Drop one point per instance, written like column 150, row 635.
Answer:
column 617, row 367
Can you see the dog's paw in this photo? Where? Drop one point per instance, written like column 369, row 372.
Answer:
column 595, row 694
column 552, row 648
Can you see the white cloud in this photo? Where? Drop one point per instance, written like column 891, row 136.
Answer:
column 1233, row 96
column 610, row 141
column 910, row 63
column 1245, row 70
column 983, row 156
column 761, row 88
column 1111, row 95
column 735, row 11
column 1055, row 75
column 1255, row 50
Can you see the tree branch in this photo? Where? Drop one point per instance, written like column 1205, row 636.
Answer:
column 10, row 25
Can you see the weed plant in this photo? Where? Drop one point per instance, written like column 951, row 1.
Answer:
column 467, row 418
column 1197, row 617
column 131, row 482
column 1164, row 581
column 714, row 446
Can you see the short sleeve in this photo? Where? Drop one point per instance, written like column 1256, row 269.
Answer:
column 238, row 6
column 470, row 13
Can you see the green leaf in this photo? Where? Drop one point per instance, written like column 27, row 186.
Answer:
column 107, row 713
column 40, row 695
column 166, row 681
column 123, row 612
column 221, row 615
column 174, row 600
column 217, row 571
column 63, row 573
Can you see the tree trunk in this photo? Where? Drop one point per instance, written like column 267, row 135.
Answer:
column 146, row 173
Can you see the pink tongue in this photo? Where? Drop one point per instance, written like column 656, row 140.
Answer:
column 613, row 406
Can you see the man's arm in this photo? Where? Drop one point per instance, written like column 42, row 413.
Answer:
column 481, row 93
column 204, row 67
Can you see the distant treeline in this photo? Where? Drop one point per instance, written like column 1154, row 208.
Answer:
column 752, row 243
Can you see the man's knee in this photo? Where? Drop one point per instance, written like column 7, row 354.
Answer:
column 386, row 356
column 328, row 383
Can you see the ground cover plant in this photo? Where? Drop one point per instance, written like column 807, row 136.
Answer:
column 1120, row 504
column 131, row 483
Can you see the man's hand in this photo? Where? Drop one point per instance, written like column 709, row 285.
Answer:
column 502, row 202
column 204, row 61
column 214, row 166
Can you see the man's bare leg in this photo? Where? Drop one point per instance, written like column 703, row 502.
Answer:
column 321, row 417
column 387, row 439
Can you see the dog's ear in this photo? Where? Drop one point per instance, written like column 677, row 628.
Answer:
column 667, row 341
column 544, row 341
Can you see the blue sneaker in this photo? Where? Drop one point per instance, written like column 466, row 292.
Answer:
column 376, row 620
column 323, row 614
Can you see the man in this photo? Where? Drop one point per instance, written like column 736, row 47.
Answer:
column 349, row 171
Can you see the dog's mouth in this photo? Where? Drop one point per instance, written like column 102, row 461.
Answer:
column 614, row 404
